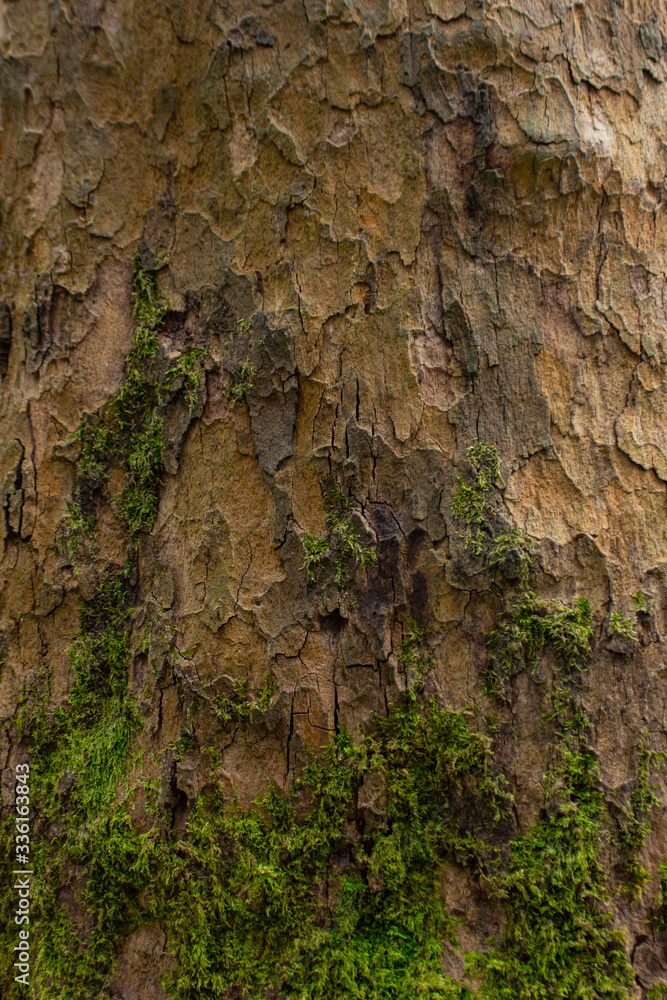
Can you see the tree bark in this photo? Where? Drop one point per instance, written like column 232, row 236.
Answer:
column 332, row 399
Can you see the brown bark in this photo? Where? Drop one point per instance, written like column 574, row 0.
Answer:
column 427, row 224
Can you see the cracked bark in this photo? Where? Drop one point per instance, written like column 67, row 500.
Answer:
column 446, row 222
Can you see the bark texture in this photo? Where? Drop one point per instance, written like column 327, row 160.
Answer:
column 387, row 232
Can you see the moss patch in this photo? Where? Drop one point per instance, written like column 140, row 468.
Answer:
column 130, row 431
column 560, row 941
column 335, row 887
column 342, row 545
column 294, row 895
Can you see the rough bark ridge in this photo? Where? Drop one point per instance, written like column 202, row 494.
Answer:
column 365, row 244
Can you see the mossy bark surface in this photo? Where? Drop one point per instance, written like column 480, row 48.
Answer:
column 333, row 469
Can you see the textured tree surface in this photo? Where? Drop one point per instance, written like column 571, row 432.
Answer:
column 333, row 455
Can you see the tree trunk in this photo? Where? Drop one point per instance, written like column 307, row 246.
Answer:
column 333, row 459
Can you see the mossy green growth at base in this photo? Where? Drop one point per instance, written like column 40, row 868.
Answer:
column 281, row 896
column 70, row 965
column 334, row 888
column 85, row 745
column 560, row 940
column 80, row 759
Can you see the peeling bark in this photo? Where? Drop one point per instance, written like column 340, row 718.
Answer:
column 393, row 230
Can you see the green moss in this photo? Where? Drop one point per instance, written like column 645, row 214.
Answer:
column 342, row 544
column 622, row 627
column 81, row 761
column 87, row 743
column 472, row 504
column 661, row 914
column 241, row 382
column 130, row 431
column 185, row 375
column 116, row 862
column 636, row 826
column 316, row 547
column 560, row 940
column 415, row 656
column 280, row 897
column 237, row 709
column 640, row 602
column 8, row 929
column 333, row 888
column 525, row 629
column 79, row 531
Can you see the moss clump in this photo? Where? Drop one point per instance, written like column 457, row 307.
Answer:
column 560, row 941
column 79, row 531
column 241, row 382
column 334, row 888
column 622, row 628
column 415, row 656
column 316, row 546
column 661, row 914
column 80, row 756
column 237, row 708
column 81, row 752
column 473, row 504
column 291, row 894
column 641, row 602
column 282, row 897
column 131, row 430
column 528, row 624
column 637, row 825
column 342, row 544
column 116, row 864
column 87, row 742
column 525, row 629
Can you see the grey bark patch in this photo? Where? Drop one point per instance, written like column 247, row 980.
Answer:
column 651, row 38
column 500, row 319
column 421, row 73
column 49, row 597
column 273, row 419
column 458, row 332
column 569, row 175
column 213, row 88
column 273, row 399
